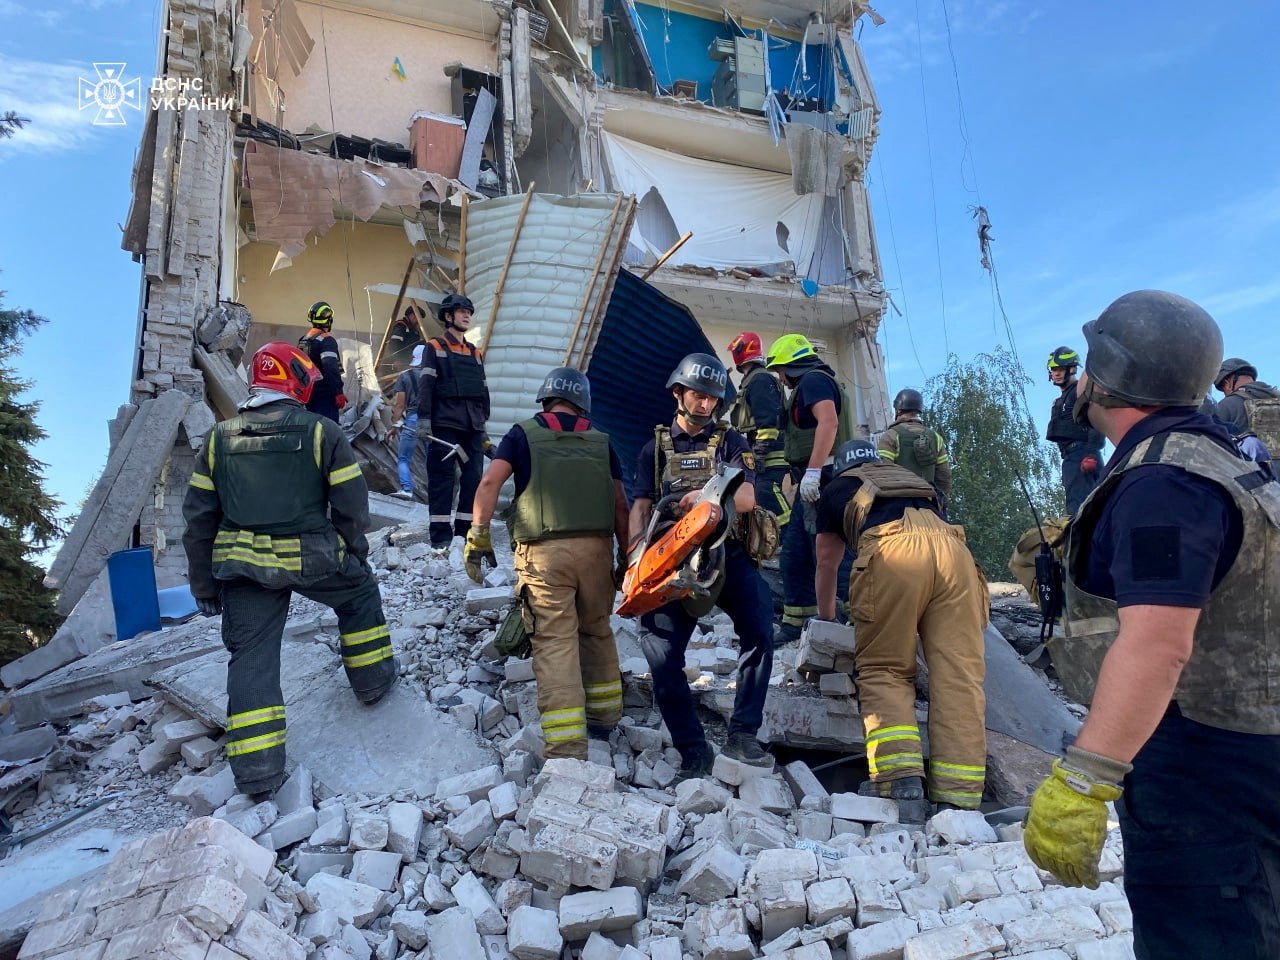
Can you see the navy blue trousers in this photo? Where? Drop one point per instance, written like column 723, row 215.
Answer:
column 1201, row 829
column 798, row 559
column 664, row 637
column 1076, row 483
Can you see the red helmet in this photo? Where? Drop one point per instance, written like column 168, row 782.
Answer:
column 284, row 368
column 746, row 346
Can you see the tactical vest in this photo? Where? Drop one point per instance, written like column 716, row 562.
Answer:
column 461, row 373
column 1232, row 680
column 268, row 474
column 1063, row 429
column 740, row 415
column 684, row 471
column 797, row 442
column 919, row 448
column 570, row 491
column 1262, row 409
column 881, row 481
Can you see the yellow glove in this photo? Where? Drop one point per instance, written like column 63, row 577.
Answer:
column 1067, row 823
column 478, row 549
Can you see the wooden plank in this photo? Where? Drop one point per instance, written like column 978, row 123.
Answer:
column 502, row 277
column 395, row 312
column 595, row 276
column 602, row 305
column 462, row 249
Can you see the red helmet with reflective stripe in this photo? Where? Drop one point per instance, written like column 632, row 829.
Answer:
column 746, row 346
column 284, row 368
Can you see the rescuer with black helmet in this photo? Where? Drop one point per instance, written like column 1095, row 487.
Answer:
column 1241, row 392
column 910, row 444
column 453, row 406
column 327, row 399
column 1170, row 636
column 677, row 462
column 277, row 505
column 1079, row 445
column 567, row 511
column 914, row 575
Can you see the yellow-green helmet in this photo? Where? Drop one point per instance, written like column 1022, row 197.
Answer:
column 789, row 348
column 320, row 314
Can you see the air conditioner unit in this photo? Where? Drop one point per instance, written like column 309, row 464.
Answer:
column 739, row 80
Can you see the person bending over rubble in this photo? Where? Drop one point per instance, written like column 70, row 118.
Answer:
column 680, row 460
column 1170, row 634
column 277, row 504
column 569, row 506
column 912, row 573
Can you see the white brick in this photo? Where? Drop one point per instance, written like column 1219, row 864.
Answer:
column 881, row 941
column 1117, row 915
column 810, row 951
column 254, row 820
column 206, row 831
column 356, row 903
column 452, row 935
column 916, row 900
column 475, row 784
column 1115, row 948
column 886, row 866
column 812, row 825
column 1041, row 931
column 714, row 875
column 767, row 793
column 971, row 886
column 482, row 599
column 877, row 902
column 534, row 934
column 701, row 796
column 319, row 927
column 472, row 826
column 472, row 895
column 735, row 946
column 308, row 861
column 603, row 910
column 829, row 899
column 734, row 772
column 332, row 828
column 850, row 806
column 173, row 937
column 777, row 865
column 968, row 941
column 201, row 752
column 211, row 903
column 803, row 782
column 504, row 800
column 826, row 636
column 205, row 793
column 961, row 826
column 600, row 947
column 665, row 948
column 782, row 906
column 368, row 832
column 256, row 938
column 289, row 829
column 562, row 857
column 296, row 793
column 378, row 868
column 836, row 685
column 410, row 927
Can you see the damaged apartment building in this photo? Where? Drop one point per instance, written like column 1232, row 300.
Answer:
column 613, row 183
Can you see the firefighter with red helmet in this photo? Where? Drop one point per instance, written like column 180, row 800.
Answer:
column 277, row 505
column 327, row 398
column 758, row 414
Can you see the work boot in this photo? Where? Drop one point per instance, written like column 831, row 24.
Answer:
column 745, row 748
column 600, row 731
column 260, row 791
column 695, row 763
column 907, row 788
column 370, row 699
column 786, row 633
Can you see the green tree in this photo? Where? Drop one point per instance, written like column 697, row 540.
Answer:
column 980, row 409
column 28, row 515
column 10, row 123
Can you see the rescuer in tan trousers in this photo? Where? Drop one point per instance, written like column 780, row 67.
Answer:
column 913, row 573
column 569, row 506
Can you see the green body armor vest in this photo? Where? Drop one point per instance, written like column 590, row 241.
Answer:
column 740, row 415
column 684, row 471
column 919, row 449
column 570, row 491
column 1232, row 680
column 268, row 474
column 797, row 442
column 880, row 481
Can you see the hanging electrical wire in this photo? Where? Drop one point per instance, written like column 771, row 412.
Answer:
column 933, row 187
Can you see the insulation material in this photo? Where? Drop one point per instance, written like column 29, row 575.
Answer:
column 557, row 283
column 294, row 194
column 739, row 217
column 815, row 160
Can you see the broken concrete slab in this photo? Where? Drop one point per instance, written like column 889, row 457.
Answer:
column 122, row 666
column 386, row 511
column 1015, row 769
column 798, row 716
column 348, row 747
column 223, row 382
column 1019, row 705
column 90, row 626
column 18, row 748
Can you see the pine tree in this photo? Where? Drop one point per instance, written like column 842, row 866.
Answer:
column 28, row 518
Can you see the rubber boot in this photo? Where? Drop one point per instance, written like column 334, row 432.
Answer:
column 906, row 788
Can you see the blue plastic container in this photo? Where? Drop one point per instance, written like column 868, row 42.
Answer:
column 133, row 592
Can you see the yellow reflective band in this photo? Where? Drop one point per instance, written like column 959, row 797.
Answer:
column 963, row 767
column 201, row 482
column 360, row 636
column 889, row 455
column 895, row 761
column 567, row 715
column 213, row 449
column 236, row 748
column 893, row 738
column 595, row 691
column 560, row 736
column 238, row 721
column 293, row 565
column 891, row 732
column 956, row 771
column 767, row 433
column 316, row 437
column 367, row 659
column 961, row 798
column 349, row 472
column 263, row 542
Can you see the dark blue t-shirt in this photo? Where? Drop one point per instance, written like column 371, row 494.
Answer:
column 839, row 493
column 812, row 388
column 733, row 450
column 1166, row 537
column 514, row 449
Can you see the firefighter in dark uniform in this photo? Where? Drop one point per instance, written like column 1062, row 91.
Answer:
column 757, row 414
column 1170, row 632
column 277, row 505
column 406, row 333
column 567, row 511
column 327, row 398
column 910, row 444
column 913, row 575
column 817, row 421
column 681, row 459
column 1079, row 445
column 453, row 406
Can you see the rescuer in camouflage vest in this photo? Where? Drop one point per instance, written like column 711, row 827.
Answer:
column 910, row 444
column 277, row 505
column 1171, row 637
column 568, row 510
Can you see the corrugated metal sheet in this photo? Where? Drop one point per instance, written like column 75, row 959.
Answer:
column 557, row 275
column 644, row 335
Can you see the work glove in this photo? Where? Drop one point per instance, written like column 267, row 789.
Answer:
column 341, row 400
column 209, row 606
column 478, row 549
column 486, row 447
column 811, row 486
column 1089, row 464
column 620, row 568
column 1067, row 823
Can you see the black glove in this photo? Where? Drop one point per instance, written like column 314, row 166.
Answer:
column 620, row 568
column 209, row 606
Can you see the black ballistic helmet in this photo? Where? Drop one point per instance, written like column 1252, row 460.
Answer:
column 453, row 302
column 1231, row 366
column 1152, row 348
column 854, row 453
column 908, row 400
column 701, row 372
column 568, row 384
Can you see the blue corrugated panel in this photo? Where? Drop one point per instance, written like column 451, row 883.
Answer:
column 644, row 335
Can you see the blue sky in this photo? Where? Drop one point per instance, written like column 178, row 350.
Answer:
column 1115, row 149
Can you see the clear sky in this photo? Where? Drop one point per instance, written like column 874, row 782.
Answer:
column 1117, row 146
